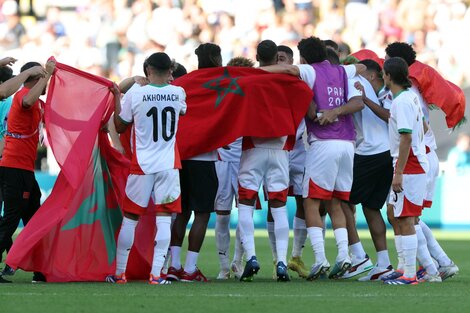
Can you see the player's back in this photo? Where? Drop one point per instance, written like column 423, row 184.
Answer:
column 155, row 111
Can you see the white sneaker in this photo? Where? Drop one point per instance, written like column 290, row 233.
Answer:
column 224, row 274
column 431, row 278
column 448, row 271
column 359, row 267
column 377, row 273
column 318, row 270
column 236, row 269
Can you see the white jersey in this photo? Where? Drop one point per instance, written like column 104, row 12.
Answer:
column 233, row 154
column 385, row 98
column 406, row 117
column 155, row 112
column 371, row 130
column 429, row 139
column 308, row 75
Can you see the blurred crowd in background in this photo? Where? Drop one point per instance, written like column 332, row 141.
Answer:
column 112, row 37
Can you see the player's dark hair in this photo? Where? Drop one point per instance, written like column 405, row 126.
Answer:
column 179, row 70
column 402, row 50
column 332, row 57
column 5, row 73
column 266, row 52
column 372, row 66
column 312, row 49
column 331, row 44
column 398, row 70
column 159, row 62
column 208, row 55
column 27, row 66
column 286, row 49
column 241, row 62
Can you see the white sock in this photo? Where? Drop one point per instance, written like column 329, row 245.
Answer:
column 191, row 261
column 383, row 259
column 247, row 229
column 434, row 248
column 357, row 250
column 168, row 254
column 124, row 244
column 318, row 243
column 238, row 251
column 162, row 241
column 410, row 247
column 222, row 239
column 399, row 247
column 423, row 255
column 176, row 257
column 281, row 229
column 272, row 238
column 300, row 235
column 341, row 236
column 323, row 219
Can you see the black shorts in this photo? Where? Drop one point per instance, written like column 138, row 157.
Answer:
column 372, row 178
column 198, row 186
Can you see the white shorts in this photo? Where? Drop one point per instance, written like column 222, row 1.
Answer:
column 163, row 187
column 258, row 165
column 297, row 168
column 409, row 202
column 431, row 178
column 227, row 174
column 329, row 170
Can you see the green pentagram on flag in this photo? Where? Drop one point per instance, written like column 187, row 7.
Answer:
column 216, row 84
column 95, row 208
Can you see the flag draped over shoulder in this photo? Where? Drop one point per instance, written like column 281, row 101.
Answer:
column 226, row 103
column 72, row 236
column 434, row 88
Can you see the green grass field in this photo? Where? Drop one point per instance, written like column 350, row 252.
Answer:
column 262, row 295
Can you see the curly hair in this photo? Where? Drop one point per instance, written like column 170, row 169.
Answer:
column 402, row 50
column 241, row 62
column 312, row 49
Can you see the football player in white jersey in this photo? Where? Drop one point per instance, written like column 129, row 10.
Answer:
column 406, row 133
column 154, row 111
column 264, row 159
column 427, row 245
column 227, row 173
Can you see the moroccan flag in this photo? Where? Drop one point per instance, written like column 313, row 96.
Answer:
column 434, row 88
column 226, row 103
column 72, row 236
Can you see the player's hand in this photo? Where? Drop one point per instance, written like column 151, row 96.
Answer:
column 36, row 71
column 115, row 90
column 359, row 87
column 50, row 67
column 141, row 80
column 397, row 183
column 7, row 61
column 328, row 117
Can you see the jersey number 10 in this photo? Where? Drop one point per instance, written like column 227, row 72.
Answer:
column 153, row 113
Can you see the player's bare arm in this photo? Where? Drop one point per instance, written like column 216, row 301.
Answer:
column 38, row 89
column 354, row 105
column 119, row 125
column 13, row 84
column 403, row 153
column 282, row 69
column 381, row 112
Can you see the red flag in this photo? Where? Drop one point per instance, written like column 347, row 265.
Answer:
column 366, row 54
column 72, row 236
column 434, row 88
column 440, row 92
column 226, row 103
